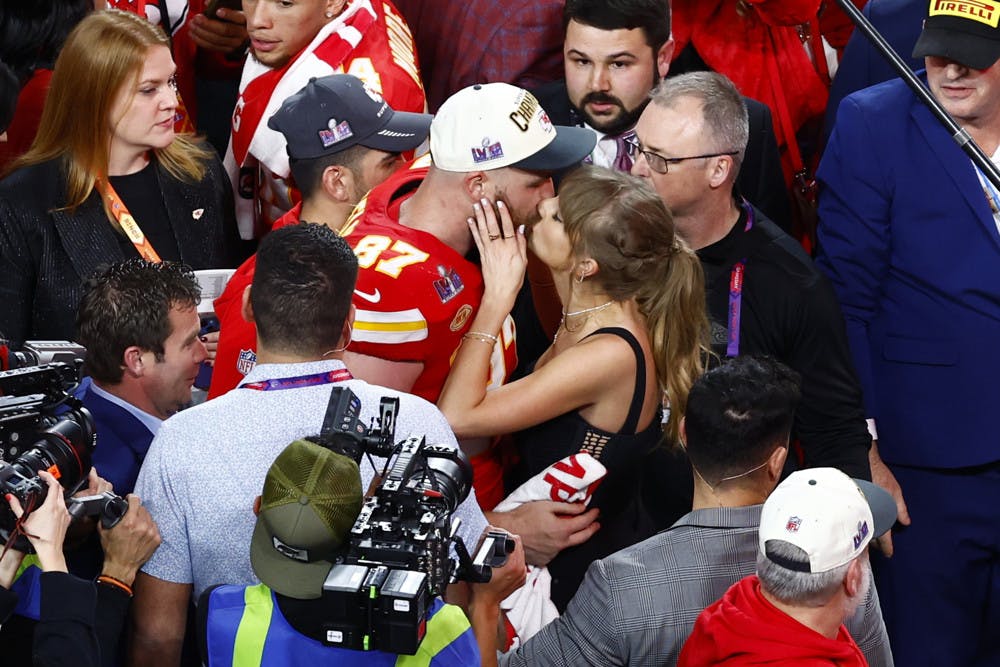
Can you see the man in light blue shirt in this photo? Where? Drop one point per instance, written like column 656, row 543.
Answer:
column 208, row 463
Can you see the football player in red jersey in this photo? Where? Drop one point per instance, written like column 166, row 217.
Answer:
column 334, row 168
column 417, row 292
column 289, row 46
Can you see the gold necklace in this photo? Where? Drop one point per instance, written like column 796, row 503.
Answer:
column 585, row 311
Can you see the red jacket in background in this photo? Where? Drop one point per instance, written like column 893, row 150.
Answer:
column 743, row 628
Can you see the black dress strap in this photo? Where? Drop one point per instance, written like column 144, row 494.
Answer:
column 631, row 424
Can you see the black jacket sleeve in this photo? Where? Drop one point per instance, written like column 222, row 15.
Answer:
column 112, row 607
column 8, row 602
column 761, row 179
column 829, row 421
column 65, row 633
column 81, row 623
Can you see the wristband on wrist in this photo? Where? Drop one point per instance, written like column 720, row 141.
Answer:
column 482, row 337
column 116, row 583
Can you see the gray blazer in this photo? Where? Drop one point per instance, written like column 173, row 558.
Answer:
column 638, row 606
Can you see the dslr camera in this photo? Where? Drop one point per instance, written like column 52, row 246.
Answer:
column 398, row 556
column 44, row 427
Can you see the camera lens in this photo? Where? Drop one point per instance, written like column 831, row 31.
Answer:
column 448, row 473
column 63, row 449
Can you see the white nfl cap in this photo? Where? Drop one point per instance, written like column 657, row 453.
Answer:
column 495, row 125
column 827, row 514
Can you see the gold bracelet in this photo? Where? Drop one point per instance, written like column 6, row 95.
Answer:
column 482, row 337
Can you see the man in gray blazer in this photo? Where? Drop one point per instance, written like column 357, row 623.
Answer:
column 637, row 607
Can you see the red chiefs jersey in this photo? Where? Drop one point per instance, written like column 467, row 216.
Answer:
column 375, row 45
column 175, row 16
column 236, row 353
column 415, row 296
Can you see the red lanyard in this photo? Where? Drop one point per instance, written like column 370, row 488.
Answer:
column 127, row 222
column 339, row 375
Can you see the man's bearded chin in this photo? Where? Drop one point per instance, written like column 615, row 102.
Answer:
column 625, row 119
column 623, row 122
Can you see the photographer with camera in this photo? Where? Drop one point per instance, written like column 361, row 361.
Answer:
column 311, row 499
column 206, row 464
column 79, row 622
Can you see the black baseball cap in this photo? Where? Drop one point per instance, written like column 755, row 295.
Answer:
column 965, row 31
column 334, row 113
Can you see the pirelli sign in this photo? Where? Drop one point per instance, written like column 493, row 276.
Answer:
column 986, row 12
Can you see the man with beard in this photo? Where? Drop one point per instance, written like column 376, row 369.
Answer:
column 417, row 293
column 614, row 53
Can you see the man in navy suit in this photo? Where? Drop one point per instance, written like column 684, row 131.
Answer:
column 899, row 22
column 910, row 238
column 139, row 322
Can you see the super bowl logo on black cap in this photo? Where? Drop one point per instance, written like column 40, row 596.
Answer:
column 335, row 132
column 982, row 11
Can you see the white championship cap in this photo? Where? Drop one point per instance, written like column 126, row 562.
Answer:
column 495, row 125
column 828, row 515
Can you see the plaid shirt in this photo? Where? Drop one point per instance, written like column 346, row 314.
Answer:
column 638, row 606
column 482, row 41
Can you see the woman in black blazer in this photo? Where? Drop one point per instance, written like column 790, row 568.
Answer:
column 106, row 179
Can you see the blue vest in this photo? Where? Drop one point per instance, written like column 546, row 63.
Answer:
column 245, row 628
column 28, row 586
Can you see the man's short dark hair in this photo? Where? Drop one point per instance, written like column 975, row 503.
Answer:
column 302, row 288
column 652, row 16
column 128, row 304
column 308, row 173
column 737, row 413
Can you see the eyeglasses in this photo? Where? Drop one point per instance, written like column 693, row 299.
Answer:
column 661, row 164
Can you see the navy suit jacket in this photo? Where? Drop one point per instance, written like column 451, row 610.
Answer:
column 122, row 440
column 899, row 22
column 909, row 242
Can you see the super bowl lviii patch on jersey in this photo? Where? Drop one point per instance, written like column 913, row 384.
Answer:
column 449, row 285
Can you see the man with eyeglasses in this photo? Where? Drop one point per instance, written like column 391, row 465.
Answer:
column 614, row 53
column 764, row 294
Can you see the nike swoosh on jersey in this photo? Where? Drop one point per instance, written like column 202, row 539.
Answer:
column 374, row 297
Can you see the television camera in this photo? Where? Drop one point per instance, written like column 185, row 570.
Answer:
column 44, row 427
column 398, row 556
